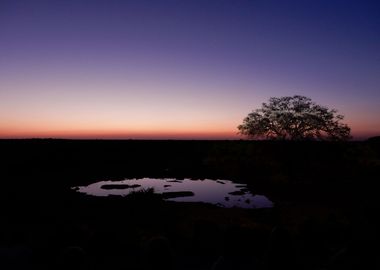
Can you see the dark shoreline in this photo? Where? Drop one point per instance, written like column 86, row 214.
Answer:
column 325, row 189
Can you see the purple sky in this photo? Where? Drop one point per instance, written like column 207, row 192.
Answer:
column 181, row 69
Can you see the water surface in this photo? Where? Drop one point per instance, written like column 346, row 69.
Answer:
column 223, row 193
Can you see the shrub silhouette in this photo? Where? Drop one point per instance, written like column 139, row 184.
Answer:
column 294, row 118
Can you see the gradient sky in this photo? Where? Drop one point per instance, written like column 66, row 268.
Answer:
column 181, row 69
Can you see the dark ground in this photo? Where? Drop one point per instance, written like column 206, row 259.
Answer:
column 325, row 215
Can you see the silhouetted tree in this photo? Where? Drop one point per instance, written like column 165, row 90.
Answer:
column 294, row 118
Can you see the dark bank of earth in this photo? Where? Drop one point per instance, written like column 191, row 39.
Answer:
column 121, row 186
column 168, row 195
column 325, row 213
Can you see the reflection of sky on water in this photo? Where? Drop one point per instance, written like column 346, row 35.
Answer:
column 209, row 191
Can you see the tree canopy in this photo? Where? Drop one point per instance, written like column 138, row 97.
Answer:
column 294, row 118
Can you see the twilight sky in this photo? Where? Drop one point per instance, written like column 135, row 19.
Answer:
column 181, row 69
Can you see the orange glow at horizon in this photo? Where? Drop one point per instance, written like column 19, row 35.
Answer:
column 121, row 135
column 112, row 132
column 358, row 131
column 82, row 114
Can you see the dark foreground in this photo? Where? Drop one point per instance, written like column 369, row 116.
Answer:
column 326, row 213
